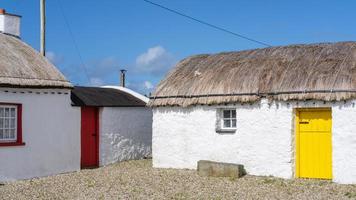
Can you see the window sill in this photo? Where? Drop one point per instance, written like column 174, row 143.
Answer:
column 226, row 131
column 11, row 144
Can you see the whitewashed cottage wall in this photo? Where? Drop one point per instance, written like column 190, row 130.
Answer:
column 51, row 131
column 263, row 142
column 125, row 133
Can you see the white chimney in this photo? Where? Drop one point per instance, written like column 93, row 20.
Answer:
column 9, row 23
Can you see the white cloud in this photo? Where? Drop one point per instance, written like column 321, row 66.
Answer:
column 148, row 85
column 151, row 55
column 143, row 72
column 54, row 58
column 50, row 55
column 143, row 87
column 96, row 82
column 155, row 60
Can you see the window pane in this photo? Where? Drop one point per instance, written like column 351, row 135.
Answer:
column 233, row 123
column 1, row 134
column 12, row 112
column 6, row 123
column 6, row 134
column 1, row 112
column 227, row 124
column 1, row 123
column 233, row 113
column 12, row 123
column 7, row 112
column 12, row 133
column 226, row 113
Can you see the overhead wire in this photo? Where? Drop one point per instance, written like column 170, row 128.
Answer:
column 207, row 23
column 83, row 65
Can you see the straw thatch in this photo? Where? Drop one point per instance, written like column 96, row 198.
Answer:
column 22, row 66
column 325, row 71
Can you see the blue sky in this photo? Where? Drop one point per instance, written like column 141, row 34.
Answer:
column 148, row 41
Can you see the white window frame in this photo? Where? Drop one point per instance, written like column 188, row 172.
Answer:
column 231, row 118
column 14, row 139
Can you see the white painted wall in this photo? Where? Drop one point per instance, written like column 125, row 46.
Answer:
column 125, row 134
column 344, row 142
column 51, row 131
column 263, row 142
column 10, row 24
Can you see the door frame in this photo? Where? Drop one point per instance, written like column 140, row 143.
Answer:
column 297, row 136
column 96, row 114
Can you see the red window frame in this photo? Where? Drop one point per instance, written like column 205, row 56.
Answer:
column 19, row 141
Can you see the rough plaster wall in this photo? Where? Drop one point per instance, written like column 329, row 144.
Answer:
column 263, row 142
column 125, row 134
column 344, row 143
column 51, row 131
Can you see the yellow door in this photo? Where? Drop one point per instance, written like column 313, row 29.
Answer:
column 313, row 143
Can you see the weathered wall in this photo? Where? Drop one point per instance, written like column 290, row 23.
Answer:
column 51, row 131
column 125, row 134
column 263, row 142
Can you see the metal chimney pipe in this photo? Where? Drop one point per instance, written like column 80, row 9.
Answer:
column 122, row 77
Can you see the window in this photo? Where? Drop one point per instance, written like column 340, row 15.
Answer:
column 8, row 121
column 10, row 124
column 228, row 119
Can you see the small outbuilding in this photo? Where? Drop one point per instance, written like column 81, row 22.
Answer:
column 116, row 125
column 285, row 111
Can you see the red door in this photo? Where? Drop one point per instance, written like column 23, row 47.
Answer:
column 89, row 137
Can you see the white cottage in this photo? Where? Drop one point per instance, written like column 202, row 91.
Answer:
column 116, row 125
column 284, row 111
column 38, row 126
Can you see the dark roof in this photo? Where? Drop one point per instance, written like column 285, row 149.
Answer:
column 104, row 97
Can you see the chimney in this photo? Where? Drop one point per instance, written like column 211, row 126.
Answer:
column 9, row 23
column 122, row 77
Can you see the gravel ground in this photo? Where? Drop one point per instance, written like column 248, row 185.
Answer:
column 138, row 180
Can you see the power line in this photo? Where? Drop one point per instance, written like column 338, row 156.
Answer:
column 74, row 41
column 207, row 24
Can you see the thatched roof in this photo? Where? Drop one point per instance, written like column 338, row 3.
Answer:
column 325, row 71
column 22, row 66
